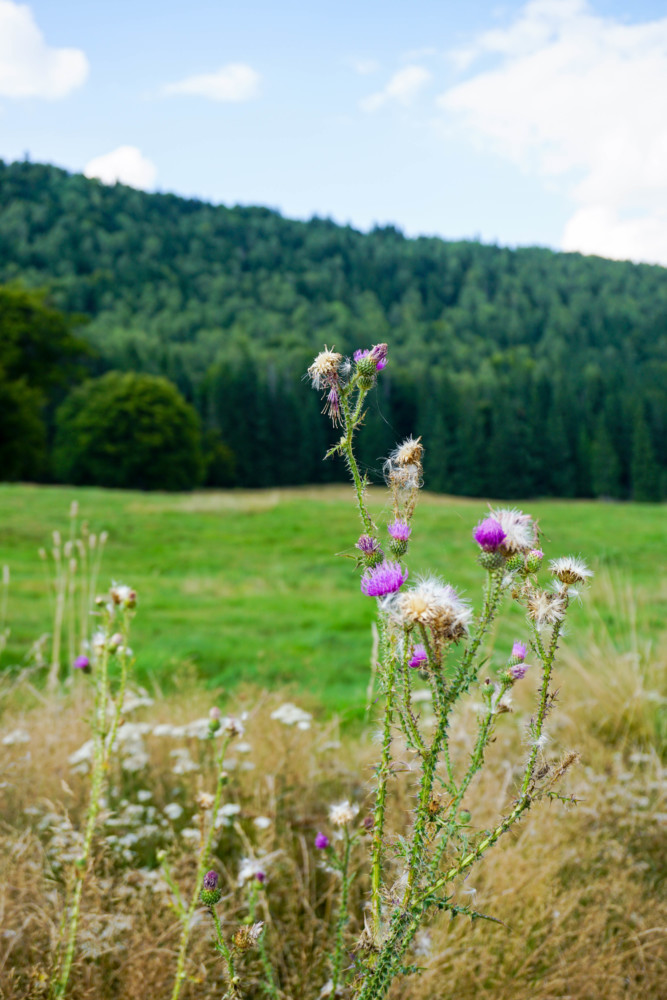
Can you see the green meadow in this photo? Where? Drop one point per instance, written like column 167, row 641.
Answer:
column 256, row 587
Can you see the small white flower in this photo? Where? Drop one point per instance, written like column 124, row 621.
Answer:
column 342, row 813
column 262, row 822
column 190, row 833
column 291, row 715
column 16, row 736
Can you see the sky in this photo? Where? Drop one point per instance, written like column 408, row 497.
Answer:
column 538, row 123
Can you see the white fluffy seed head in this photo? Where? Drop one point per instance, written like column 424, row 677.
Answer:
column 570, row 570
column 520, row 530
column 324, row 368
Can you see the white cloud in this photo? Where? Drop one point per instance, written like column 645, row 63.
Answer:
column 402, row 88
column 127, row 164
column 234, row 82
column 364, row 67
column 28, row 67
column 575, row 95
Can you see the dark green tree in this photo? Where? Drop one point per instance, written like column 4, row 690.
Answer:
column 645, row 472
column 605, row 466
column 22, row 431
column 128, row 431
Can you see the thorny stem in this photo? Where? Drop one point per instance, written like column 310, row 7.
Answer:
column 351, row 421
column 269, row 986
column 103, row 750
column 542, row 708
column 225, row 952
column 342, row 915
column 380, row 798
column 204, row 851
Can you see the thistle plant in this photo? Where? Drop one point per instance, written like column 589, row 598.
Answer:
column 205, row 889
column 430, row 635
column 109, row 666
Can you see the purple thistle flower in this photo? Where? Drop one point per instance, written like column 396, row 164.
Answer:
column 322, row 841
column 519, row 651
column 360, row 355
column 367, row 545
column 400, row 530
column 489, row 534
column 384, row 579
column 379, row 355
column 211, row 880
column 419, row 657
column 332, row 406
column 518, row 671
column 260, row 876
column 82, row 663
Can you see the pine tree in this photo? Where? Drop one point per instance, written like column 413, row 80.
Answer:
column 605, row 465
column 645, row 472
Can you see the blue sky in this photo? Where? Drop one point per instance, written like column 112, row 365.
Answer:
column 522, row 123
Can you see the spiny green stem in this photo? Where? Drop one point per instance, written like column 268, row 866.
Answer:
column 350, row 422
column 380, row 802
column 342, row 915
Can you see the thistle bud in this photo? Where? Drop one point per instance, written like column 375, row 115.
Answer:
column 210, row 893
column 515, row 561
column 247, row 936
column 464, row 816
column 534, row 560
column 82, row 663
column 491, row 560
column 214, row 720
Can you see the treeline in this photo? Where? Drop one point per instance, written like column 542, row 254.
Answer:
column 527, row 372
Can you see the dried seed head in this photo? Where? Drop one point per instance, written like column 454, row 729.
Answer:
column 342, row 813
column 247, row 936
column 545, row 608
column 324, row 369
column 410, row 452
column 520, row 529
column 570, row 570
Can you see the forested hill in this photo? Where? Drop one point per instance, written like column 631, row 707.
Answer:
column 528, row 371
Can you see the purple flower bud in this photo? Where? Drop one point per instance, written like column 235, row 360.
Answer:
column 367, row 545
column 214, row 713
column 384, row 579
column 360, row 355
column 400, row 530
column 489, row 534
column 322, row 841
column 211, row 880
column 518, row 671
column 260, row 876
column 419, row 658
column 82, row 663
column 519, row 651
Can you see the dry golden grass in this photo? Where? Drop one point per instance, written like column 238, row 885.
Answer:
column 580, row 889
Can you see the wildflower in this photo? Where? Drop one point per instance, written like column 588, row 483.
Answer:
column 324, row 369
column 489, row 534
column 384, row 579
column 322, row 841
column 251, row 869
column 377, row 357
column 210, row 893
column 519, row 528
column 214, row 713
column 82, row 663
column 262, row 822
column 519, row 651
column 370, row 548
column 205, row 800
column 545, row 608
column 291, row 715
column 248, row 935
column 234, row 726
column 570, row 570
column 419, row 658
column 123, row 595
column 214, row 720
column 409, row 453
column 342, row 813
column 173, row 810
column 518, row 670
column 332, row 406
column 399, row 530
column 437, row 605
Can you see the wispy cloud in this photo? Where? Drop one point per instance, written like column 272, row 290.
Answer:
column 28, row 66
column 126, row 164
column 403, row 87
column 577, row 96
column 365, row 67
column 234, row 82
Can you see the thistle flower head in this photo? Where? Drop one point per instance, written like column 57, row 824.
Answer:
column 409, row 452
column 518, row 670
column 123, row 596
column 247, row 936
column 250, row 869
column 368, row 545
column 519, row 528
column 376, row 355
column 342, row 813
column 570, row 570
column 234, row 726
column 519, row 651
column 324, row 369
column 399, row 530
column 332, row 405
column 436, row 605
column 419, row 658
column 545, row 608
column 205, row 800
column 387, row 578
column 489, row 534
column 210, row 894
column 82, row 663
column 321, row 841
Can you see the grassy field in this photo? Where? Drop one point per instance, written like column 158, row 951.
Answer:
column 252, row 587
